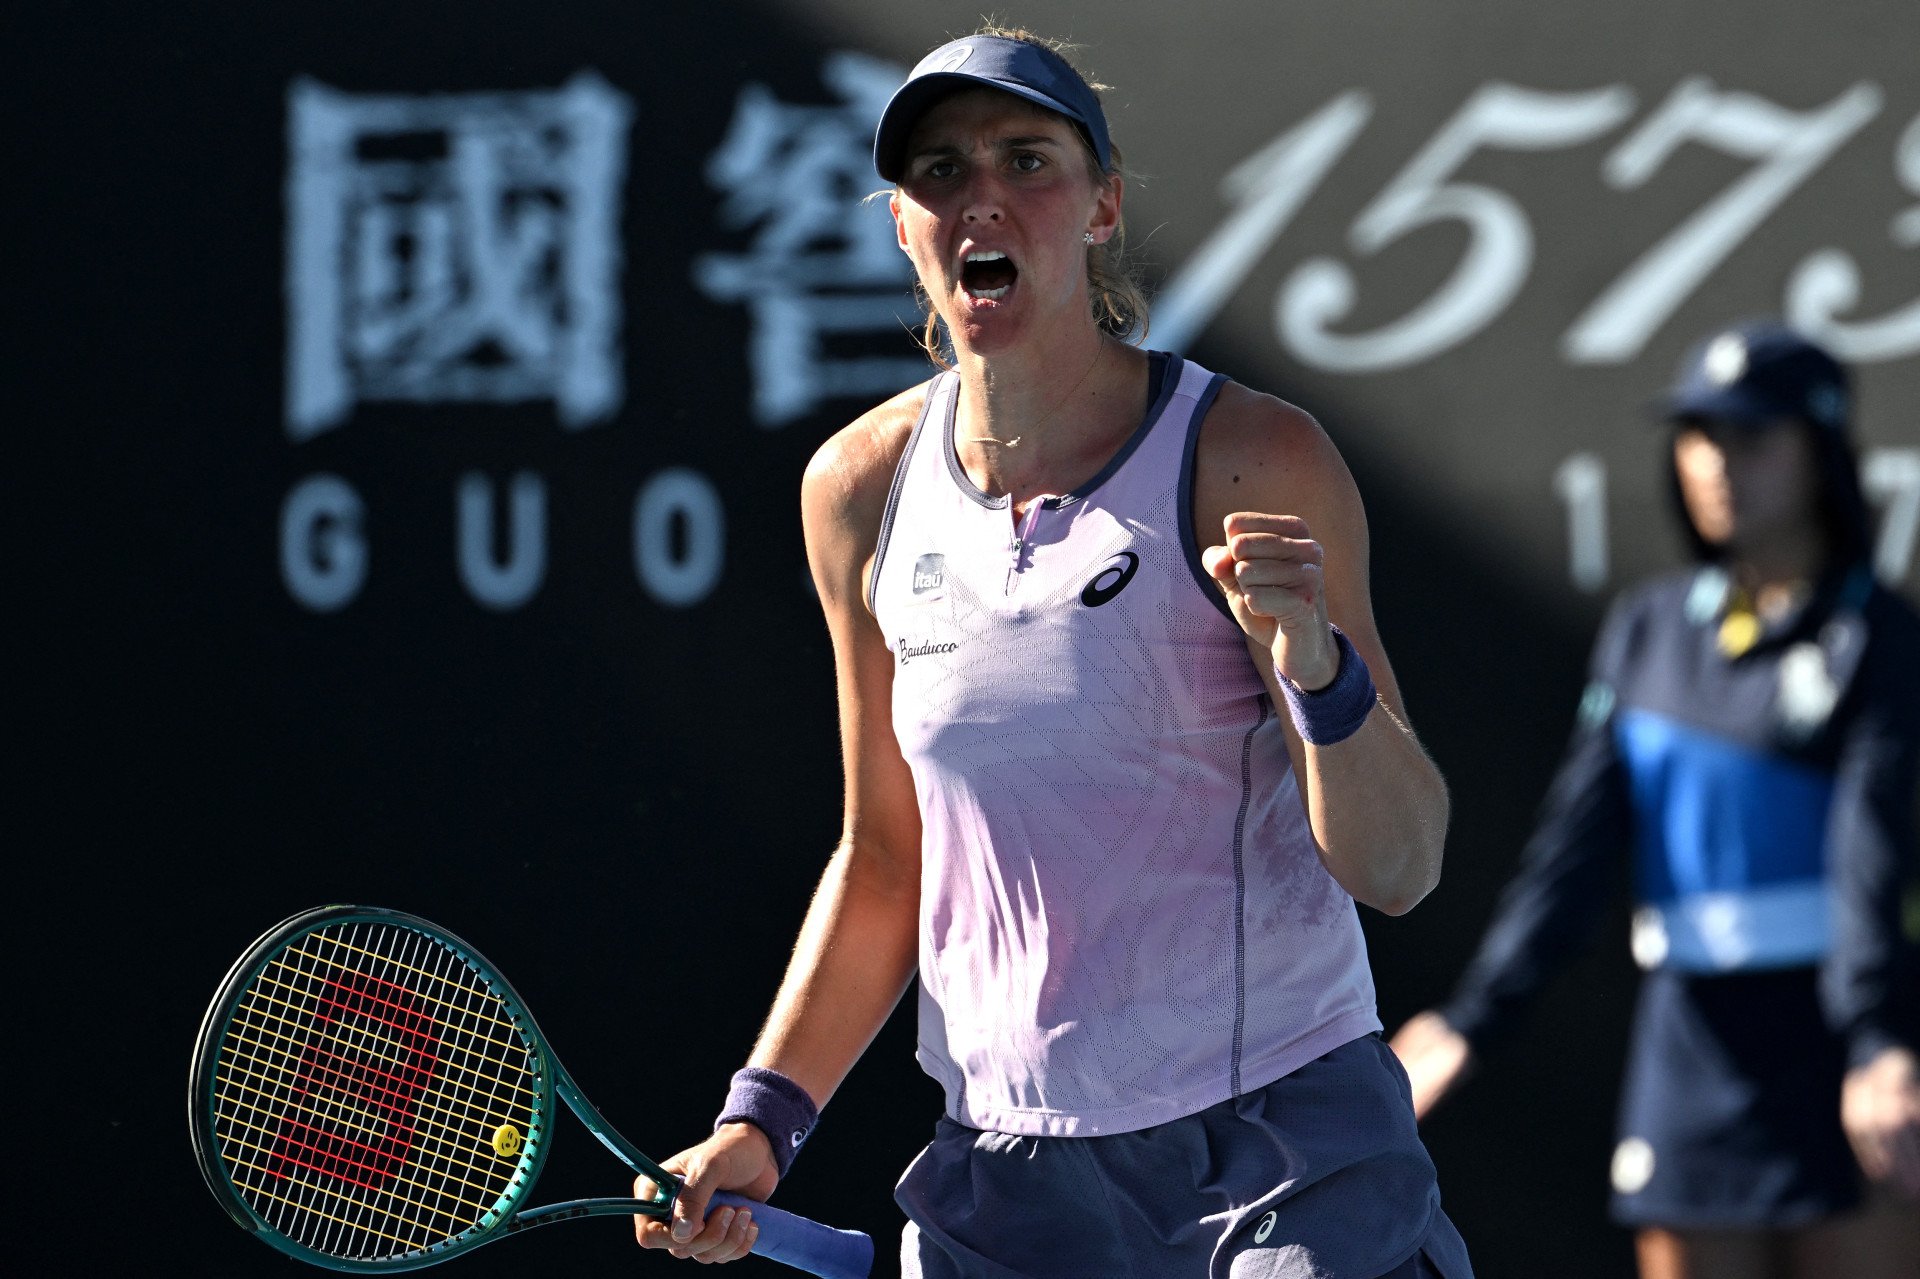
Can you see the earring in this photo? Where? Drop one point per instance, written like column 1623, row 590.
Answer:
column 1089, row 237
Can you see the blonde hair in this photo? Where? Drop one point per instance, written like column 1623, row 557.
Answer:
column 1118, row 301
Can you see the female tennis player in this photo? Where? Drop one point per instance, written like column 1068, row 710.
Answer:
column 1068, row 583
column 1752, row 732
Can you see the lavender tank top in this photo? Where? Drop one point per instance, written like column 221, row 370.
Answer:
column 1122, row 916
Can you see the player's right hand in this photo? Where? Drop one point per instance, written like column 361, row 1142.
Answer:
column 738, row 1158
column 1436, row 1058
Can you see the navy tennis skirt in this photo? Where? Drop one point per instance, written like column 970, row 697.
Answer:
column 1731, row 1110
column 1319, row 1175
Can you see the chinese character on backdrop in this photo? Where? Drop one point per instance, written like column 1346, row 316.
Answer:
column 823, row 279
column 454, row 247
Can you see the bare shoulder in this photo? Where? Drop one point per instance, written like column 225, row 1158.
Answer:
column 853, row 470
column 1257, row 452
column 843, row 495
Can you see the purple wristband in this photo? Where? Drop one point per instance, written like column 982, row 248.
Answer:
column 1334, row 713
column 776, row 1106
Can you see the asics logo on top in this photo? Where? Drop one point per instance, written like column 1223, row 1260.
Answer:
column 1111, row 580
column 1266, row 1227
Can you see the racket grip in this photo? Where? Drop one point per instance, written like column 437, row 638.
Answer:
column 803, row 1244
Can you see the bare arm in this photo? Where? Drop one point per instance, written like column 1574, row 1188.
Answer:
column 1286, row 539
column 857, row 948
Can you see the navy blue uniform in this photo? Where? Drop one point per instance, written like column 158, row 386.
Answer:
column 1768, row 797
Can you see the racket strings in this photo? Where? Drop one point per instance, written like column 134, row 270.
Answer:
column 314, row 1110
column 288, row 1018
column 354, row 1142
column 446, row 1197
column 290, row 1148
column 361, row 1083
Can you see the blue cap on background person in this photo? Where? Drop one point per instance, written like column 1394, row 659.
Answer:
column 1019, row 67
column 1759, row 372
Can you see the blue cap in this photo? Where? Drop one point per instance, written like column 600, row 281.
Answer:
column 1025, row 70
column 1754, row 373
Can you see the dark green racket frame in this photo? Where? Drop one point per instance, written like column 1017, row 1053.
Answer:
column 550, row 1080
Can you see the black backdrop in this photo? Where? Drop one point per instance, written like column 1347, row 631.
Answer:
column 623, row 799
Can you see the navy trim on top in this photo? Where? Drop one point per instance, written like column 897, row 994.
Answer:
column 1163, row 378
column 961, row 479
column 1240, row 895
column 1189, row 545
column 893, row 492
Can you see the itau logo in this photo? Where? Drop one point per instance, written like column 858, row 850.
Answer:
column 929, row 574
column 457, row 247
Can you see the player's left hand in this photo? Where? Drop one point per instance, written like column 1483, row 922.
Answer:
column 1880, row 1109
column 1269, row 568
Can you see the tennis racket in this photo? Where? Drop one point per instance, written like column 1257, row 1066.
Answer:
column 368, row 1093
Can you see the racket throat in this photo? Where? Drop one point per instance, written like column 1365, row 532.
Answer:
column 571, row 1209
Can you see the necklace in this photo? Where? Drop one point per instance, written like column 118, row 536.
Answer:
column 1015, row 441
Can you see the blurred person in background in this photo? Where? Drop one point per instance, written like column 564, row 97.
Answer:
column 1751, row 732
column 1068, row 583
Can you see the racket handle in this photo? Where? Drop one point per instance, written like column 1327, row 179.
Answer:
column 803, row 1244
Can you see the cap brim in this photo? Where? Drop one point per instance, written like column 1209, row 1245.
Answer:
column 1720, row 404
column 913, row 99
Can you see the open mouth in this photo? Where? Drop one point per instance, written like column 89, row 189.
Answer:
column 987, row 274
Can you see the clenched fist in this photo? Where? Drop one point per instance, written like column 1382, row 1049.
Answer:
column 1270, row 569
